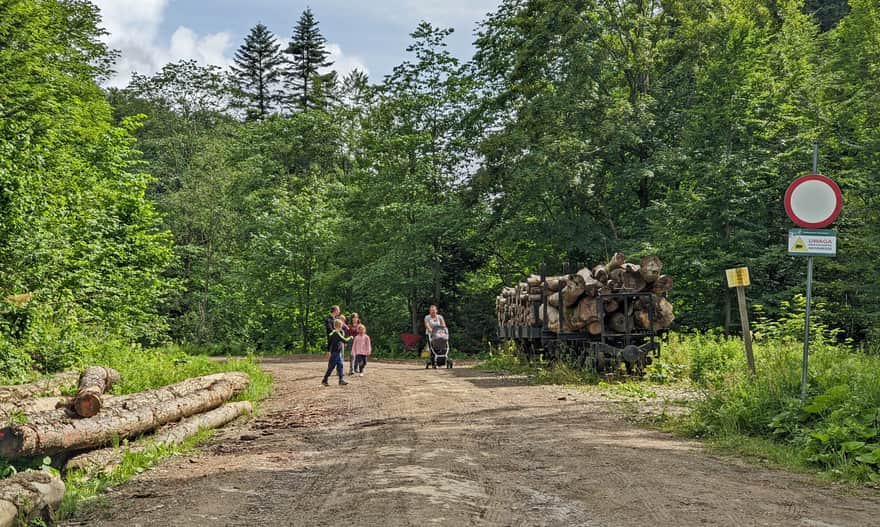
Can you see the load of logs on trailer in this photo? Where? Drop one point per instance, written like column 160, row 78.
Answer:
column 601, row 318
column 79, row 432
column 575, row 297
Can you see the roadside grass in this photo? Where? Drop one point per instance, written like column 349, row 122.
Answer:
column 836, row 433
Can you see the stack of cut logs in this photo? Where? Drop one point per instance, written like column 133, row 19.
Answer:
column 77, row 431
column 576, row 296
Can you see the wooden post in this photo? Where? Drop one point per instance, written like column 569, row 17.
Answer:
column 739, row 279
column 747, row 333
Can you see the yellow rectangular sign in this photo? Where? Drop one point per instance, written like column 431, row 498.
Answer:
column 738, row 277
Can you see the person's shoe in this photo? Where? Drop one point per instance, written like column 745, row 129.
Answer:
column 342, row 383
column 361, row 374
column 325, row 383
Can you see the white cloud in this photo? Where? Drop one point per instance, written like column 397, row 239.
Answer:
column 345, row 64
column 134, row 31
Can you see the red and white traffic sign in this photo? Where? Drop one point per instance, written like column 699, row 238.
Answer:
column 813, row 201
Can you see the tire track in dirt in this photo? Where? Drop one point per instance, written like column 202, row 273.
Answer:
column 408, row 447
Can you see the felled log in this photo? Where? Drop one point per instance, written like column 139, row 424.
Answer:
column 106, row 459
column 650, row 269
column 631, row 280
column 600, row 273
column 594, row 328
column 663, row 284
column 588, row 310
column 616, row 262
column 584, row 279
column 552, row 320
column 122, row 417
column 29, row 495
column 46, row 387
column 533, row 280
column 571, row 293
column 93, row 382
column 663, row 314
column 553, row 283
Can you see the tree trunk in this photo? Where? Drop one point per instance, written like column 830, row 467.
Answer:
column 93, row 382
column 51, row 386
column 122, row 417
column 106, row 459
column 28, row 495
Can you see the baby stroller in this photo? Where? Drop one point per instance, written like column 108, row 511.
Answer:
column 438, row 344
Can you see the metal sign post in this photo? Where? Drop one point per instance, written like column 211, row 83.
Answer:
column 813, row 202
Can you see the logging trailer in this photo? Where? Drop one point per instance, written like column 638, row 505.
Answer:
column 602, row 351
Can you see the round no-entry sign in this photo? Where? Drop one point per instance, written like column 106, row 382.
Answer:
column 813, row 201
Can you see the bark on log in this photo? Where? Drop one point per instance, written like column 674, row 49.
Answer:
column 127, row 416
column 663, row 284
column 106, row 459
column 571, row 293
column 552, row 322
column 553, row 283
column 663, row 316
column 93, row 382
column 584, row 279
column 600, row 273
column 553, row 300
column 650, row 269
column 632, row 280
column 28, row 495
column 46, row 387
column 588, row 311
column 616, row 262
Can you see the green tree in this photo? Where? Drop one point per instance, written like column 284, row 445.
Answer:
column 77, row 230
column 308, row 55
column 257, row 68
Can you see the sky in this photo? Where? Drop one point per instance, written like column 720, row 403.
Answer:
column 368, row 35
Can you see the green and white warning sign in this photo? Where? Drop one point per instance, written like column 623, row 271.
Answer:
column 806, row 242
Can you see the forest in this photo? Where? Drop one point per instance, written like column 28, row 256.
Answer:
column 228, row 209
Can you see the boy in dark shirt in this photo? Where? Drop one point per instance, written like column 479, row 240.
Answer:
column 330, row 321
column 336, row 343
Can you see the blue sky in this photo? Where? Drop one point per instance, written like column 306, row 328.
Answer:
column 363, row 34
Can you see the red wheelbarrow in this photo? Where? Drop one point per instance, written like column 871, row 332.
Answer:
column 410, row 341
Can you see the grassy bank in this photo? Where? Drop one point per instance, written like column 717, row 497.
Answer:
column 835, row 432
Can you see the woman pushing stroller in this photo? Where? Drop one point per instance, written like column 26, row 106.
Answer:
column 438, row 339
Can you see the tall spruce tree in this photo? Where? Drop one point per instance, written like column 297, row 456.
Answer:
column 257, row 69
column 308, row 54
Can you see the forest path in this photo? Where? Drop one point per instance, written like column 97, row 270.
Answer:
column 406, row 446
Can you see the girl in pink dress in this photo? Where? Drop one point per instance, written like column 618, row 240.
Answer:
column 361, row 348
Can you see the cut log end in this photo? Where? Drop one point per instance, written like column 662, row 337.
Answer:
column 87, row 404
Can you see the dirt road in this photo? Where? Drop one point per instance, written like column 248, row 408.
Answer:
column 405, row 446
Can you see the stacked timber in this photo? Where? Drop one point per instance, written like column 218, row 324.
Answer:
column 573, row 301
column 85, row 427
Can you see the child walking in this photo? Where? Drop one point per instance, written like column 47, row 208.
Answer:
column 337, row 344
column 361, row 348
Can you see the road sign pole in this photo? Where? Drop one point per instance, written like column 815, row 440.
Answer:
column 807, row 328
column 809, row 306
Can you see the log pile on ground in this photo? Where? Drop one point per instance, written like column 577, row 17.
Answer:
column 94, row 420
column 573, row 300
column 29, row 495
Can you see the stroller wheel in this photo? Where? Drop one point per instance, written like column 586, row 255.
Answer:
column 449, row 365
column 427, row 365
